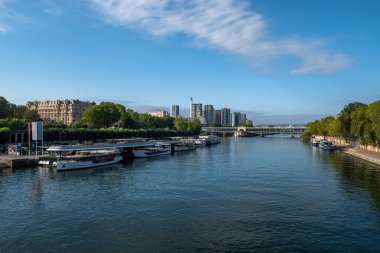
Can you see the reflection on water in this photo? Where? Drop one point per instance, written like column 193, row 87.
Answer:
column 272, row 194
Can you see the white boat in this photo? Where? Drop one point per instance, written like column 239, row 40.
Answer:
column 84, row 160
column 210, row 139
column 158, row 150
column 200, row 142
column 315, row 142
column 184, row 146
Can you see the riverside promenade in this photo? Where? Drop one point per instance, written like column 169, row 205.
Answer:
column 366, row 155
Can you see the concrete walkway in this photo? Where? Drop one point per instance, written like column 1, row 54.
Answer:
column 369, row 156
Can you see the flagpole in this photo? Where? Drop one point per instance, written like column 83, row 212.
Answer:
column 29, row 136
column 42, row 147
column 36, row 126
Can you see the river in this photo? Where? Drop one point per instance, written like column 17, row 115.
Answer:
column 272, row 194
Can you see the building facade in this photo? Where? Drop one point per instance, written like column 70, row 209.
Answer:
column 65, row 111
column 236, row 119
column 218, row 117
column 196, row 111
column 160, row 113
column 175, row 111
column 225, row 117
column 209, row 114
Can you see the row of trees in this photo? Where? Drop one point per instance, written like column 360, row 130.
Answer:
column 12, row 111
column 106, row 120
column 108, row 114
column 356, row 122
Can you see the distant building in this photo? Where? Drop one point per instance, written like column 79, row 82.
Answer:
column 191, row 107
column 243, row 118
column 225, row 117
column 236, row 119
column 160, row 113
column 196, row 111
column 65, row 111
column 209, row 114
column 175, row 111
column 217, row 118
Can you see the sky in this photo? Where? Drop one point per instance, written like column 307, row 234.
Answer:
column 287, row 61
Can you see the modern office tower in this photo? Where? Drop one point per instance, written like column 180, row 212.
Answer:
column 175, row 111
column 160, row 113
column 191, row 107
column 236, row 119
column 218, row 114
column 225, row 117
column 209, row 114
column 243, row 118
column 196, row 111
column 65, row 111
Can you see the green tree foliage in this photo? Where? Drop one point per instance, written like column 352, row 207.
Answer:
column 373, row 114
column 246, row 124
column 4, row 134
column 104, row 115
column 5, row 108
column 356, row 122
column 192, row 126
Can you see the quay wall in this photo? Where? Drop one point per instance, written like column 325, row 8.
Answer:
column 343, row 142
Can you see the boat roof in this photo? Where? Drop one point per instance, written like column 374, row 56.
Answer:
column 68, row 148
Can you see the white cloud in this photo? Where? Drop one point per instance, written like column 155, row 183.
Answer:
column 228, row 25
column 3, row 29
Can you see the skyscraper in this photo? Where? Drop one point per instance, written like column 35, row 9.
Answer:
column 191, row 107
column 175, row 111
column 243, row 118
column 196, row 111
column 225, row 117
column 218, row 116
column 236, row 119
column 209, row 114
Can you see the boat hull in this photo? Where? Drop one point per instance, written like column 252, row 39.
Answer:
column 146, row 154
column 64, row 166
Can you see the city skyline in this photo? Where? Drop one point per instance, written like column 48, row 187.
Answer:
column 277, row 69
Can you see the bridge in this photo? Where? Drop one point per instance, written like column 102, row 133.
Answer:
column 254, row 131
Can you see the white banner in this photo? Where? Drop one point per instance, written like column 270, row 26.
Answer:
column 37, row 131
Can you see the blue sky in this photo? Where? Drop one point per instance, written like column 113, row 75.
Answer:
column 279, row 61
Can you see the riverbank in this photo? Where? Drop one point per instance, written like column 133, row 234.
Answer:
column 366, row 155
column 369, row 155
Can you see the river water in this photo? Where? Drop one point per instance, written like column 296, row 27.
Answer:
column 272, row 194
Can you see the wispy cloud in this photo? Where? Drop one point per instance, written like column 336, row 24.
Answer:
column 3, row 29
column 228, row 25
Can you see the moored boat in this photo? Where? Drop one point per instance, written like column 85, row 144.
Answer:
column 328, row 146
column 200, row 142
column 210, row 139
column 158, row 150
column 84, row 160
column 315, row 142
column 184, row 146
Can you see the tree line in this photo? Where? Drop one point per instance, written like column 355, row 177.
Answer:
column 103, row 121
column 356, row 122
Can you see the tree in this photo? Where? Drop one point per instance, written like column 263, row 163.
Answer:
column 5, row 108
column 31, row 115
column 18, row 111
column 345, row 118
column 180, row 124
column 104, row 115
column 373, row 114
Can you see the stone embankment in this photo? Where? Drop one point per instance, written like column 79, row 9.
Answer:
column 365, row 152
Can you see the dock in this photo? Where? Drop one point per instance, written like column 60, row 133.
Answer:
column 126, row 147
column 9, row 161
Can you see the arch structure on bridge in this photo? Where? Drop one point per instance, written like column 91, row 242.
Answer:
column 253, row 131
